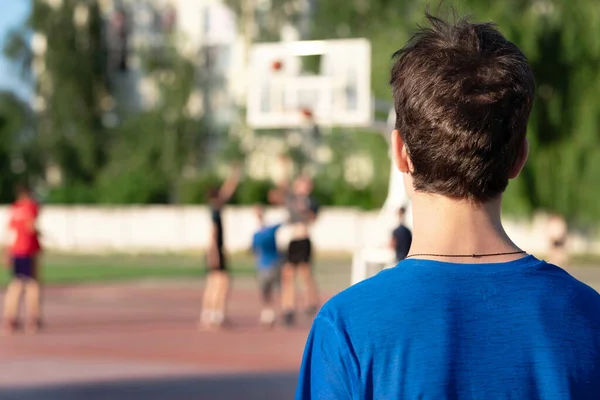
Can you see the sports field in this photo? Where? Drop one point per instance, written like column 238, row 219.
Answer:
column 123, row 327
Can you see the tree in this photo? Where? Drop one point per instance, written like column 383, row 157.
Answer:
column 564, row 131
column 263, row 21
column 561, row 42
column 69, row 60
column 157, row 144
column 79, row 59
column 17, row 145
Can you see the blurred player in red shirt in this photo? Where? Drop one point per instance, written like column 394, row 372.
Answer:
column 22, row 253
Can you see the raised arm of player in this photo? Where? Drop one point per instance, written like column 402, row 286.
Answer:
column 283, row 183
column 286, row 166
column 230, row 184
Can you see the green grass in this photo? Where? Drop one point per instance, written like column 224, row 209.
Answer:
column 66, row 269
column 74, row 269
column 333, row 271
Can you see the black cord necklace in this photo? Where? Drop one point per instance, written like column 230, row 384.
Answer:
column 466, row 255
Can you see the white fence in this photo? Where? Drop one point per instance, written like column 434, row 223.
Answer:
column 181, row 229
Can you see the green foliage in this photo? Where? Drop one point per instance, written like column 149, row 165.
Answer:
column 148, row 156
column 562, row 173
column 249, row 191
column 71, row 193
column 73, row 85
column 133, row 186
column 265, row 24
column 139, row 161
column 194, row 191
column 252, row 191
column 561, row 41
column 330, row 183
column 339, row 193
column 173, row 135
column 17, row 145
column 232, row 151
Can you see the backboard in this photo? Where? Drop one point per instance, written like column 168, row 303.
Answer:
column 284, row 93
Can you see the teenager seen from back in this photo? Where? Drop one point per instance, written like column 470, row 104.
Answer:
column 468, row 314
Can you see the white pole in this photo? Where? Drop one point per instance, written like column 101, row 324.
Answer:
column 359, row 268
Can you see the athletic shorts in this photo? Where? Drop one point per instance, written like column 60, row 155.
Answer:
column 23, row 267
column 221, row 265
column 300, row 252
column 269, row 279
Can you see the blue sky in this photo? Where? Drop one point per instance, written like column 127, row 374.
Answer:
column 12, row 14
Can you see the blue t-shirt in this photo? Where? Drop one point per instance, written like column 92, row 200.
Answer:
column 432, row 330
column 264, row 246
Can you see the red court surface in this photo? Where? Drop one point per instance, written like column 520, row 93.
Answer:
column 140, row 341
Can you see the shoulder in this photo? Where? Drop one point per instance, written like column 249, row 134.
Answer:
column 273, row 228
column 404, row 229
column 33, row 205
column 372, row 294
column 401, row 230
column 556, row 273
column 561, row 294
column 24, row 207
column 569, row 286
column 361, row 312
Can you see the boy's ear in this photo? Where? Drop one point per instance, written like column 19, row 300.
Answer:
column 521, row 160
column 400, row 153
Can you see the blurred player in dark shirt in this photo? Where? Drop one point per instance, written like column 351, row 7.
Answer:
column 401, row 237
column 216, row 291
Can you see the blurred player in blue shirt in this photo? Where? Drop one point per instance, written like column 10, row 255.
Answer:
column 268, row 261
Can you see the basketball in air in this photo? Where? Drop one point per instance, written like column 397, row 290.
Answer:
column 277, row 65
column 307, row 113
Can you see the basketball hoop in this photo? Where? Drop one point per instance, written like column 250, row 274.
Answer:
column 281, row 95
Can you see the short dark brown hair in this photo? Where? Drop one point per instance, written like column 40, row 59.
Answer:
column 462, row 95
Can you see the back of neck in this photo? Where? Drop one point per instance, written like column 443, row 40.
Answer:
column 445, row 226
